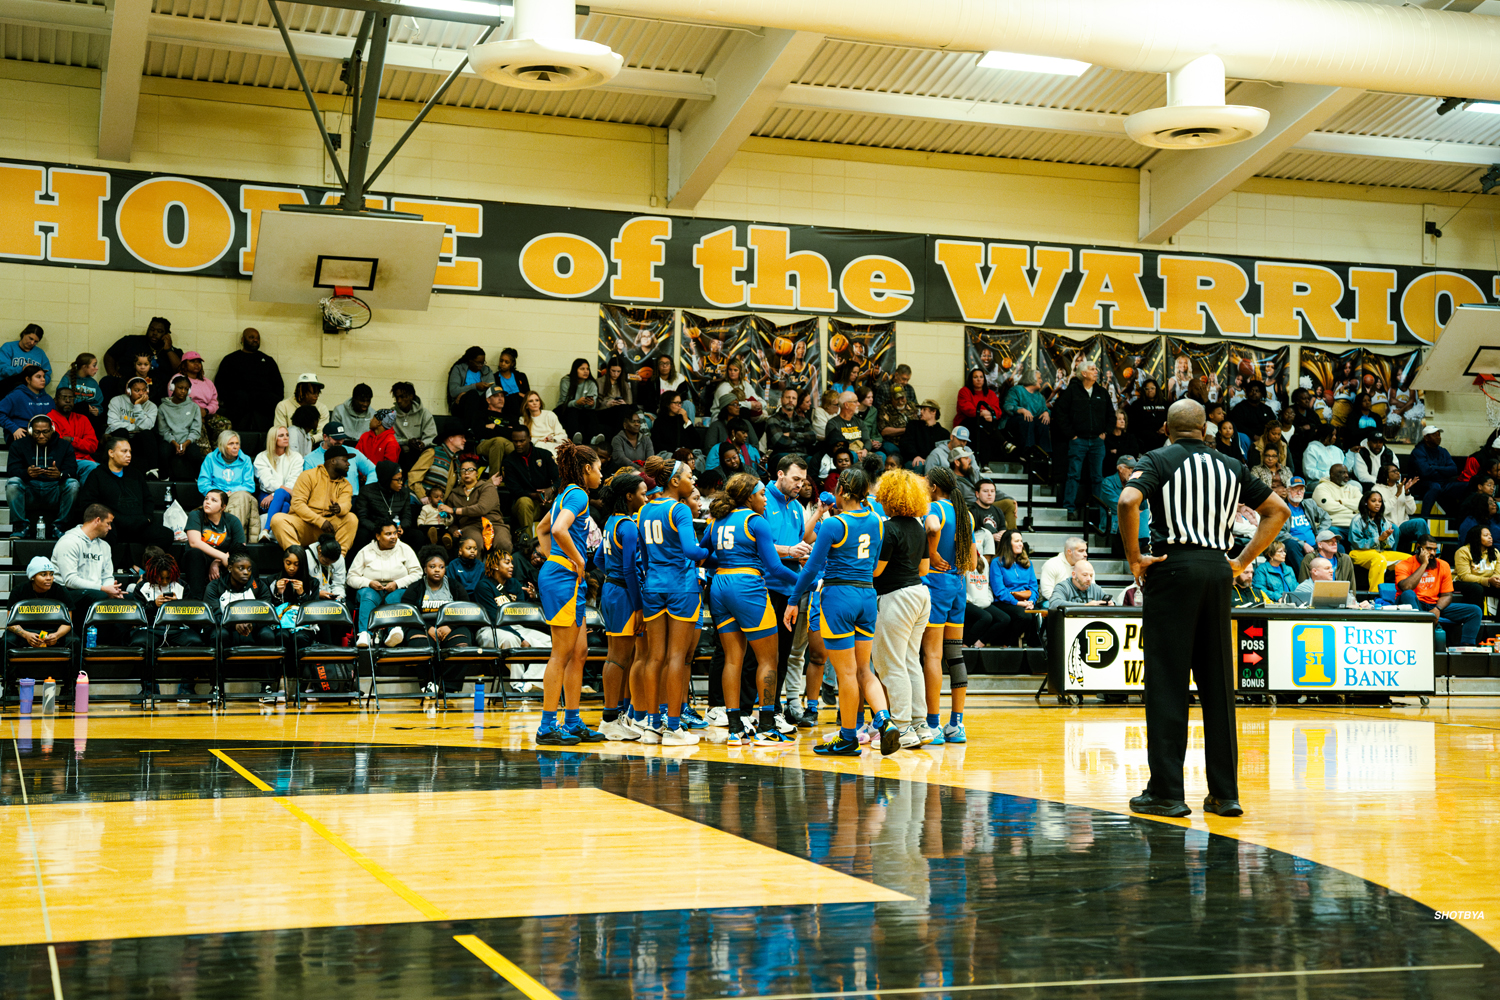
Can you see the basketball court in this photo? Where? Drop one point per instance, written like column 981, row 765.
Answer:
column 439, row 853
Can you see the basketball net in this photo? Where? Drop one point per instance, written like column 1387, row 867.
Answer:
column 1490, row 386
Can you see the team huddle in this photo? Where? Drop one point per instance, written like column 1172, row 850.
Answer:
column 878, row 569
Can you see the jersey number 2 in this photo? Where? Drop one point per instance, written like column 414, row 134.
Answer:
column 864, row 547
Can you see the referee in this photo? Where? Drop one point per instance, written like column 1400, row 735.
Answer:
column 1193, row 492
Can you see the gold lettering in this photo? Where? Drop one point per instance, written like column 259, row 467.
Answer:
column 1420, row 301
column 1114, row 279
column 774, row 267
column 877, row 286
column 1194, row 288
column 1288, row 291
column 75, row 213
column 141, row 221
column 540, row 260
column 637, row 252
column 981, row 299
column 718, row 259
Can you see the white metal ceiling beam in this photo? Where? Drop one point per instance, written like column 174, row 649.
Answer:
column 748, row 84
column 120, row 84
column 1179, row 185
column 172, row 30
column 1014, row 116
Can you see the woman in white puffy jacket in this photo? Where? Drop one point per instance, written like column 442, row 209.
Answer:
column 276, row 469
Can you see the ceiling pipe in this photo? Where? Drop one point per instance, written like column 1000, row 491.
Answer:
column 1340, row 43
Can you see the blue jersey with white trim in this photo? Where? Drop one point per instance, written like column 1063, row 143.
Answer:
column 672, row 552
column 853, row 556
column 733, row 539
column 576, row 499
column 943, row 511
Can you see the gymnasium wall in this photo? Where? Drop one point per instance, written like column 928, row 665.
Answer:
column 51, row 113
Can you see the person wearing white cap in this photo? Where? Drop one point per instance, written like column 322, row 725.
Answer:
column 41, row 582
column 305, row 393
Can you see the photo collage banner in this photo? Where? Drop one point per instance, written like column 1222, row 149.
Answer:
column 1362, row 386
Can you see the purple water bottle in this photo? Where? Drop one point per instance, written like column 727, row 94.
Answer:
column 28, row 692
column 81, row 694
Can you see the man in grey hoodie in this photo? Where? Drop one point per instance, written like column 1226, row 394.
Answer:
column 84, row 562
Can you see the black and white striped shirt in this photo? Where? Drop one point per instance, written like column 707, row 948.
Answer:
column 1193, row 492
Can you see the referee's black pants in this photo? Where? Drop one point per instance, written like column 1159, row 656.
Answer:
column 1185, row 630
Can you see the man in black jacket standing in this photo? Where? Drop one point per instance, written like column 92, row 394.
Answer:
column 123, row 490
column 250, row 385
column 1252, row 413
column 1088, row 414
column 529, row 472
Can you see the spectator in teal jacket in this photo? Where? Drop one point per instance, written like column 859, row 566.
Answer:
column 1274, row 576
column 227, row 468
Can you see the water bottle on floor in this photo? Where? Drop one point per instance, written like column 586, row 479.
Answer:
column 479, row 695
column 28, row 692
column 81, row 694
column 49, row 696
column 41, row 527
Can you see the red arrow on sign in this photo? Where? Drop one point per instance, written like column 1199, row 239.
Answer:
column 1252, row 657
column 1256, row 631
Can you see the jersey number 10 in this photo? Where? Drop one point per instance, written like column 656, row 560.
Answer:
column 653, row 532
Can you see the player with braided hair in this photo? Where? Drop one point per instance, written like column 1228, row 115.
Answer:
column 620, row 599
column 739, row 537
column 846, row 551
column 562, row 537
column 671, row 602
column 951, row 554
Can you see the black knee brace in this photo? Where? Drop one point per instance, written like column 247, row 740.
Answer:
column 953, row 658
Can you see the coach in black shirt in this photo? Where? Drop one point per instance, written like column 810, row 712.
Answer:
column 905, row 601
column 1187, row 583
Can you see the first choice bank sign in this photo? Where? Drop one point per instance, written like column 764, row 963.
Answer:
column 130, row 220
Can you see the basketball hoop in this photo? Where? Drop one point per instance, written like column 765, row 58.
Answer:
column 343, row 311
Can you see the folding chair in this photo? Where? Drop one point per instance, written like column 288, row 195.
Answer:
column 528, row 614
column 249, row 662
column 473, row 617
column 326, row 664
column 411, row 660
column 200, row 615
column 118, row 662
column 37, row 614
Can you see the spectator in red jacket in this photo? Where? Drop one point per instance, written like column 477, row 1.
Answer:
column 379, row 444
column 75, row 427
column 973, row 395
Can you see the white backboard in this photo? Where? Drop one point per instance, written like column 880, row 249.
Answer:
column 302, row 256
column 1468, row 346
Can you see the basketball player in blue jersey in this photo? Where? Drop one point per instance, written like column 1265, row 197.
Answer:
column 562, row 537
column 620, row 599
column 671, row 601
column 744, row 553
column 950, row 554
column 846, row 552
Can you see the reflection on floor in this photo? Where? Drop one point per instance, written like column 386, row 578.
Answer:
column 711, row 871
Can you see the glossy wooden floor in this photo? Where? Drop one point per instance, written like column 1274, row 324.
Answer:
column 135, row 832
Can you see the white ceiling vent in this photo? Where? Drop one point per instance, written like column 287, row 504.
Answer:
column 544, row 54
column 1196, row 115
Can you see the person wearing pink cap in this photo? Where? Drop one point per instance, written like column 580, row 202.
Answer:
column 202, row 391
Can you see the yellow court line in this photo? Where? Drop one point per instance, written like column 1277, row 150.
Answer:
column 513, row 973
column 489, row 956
column 242, row 772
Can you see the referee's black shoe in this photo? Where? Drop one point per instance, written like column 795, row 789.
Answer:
column 1153, row 806
column 1223, row 807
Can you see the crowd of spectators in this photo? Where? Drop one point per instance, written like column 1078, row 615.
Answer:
column 363, row 496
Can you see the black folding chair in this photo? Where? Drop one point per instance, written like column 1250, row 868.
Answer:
column 118, row 661
column 249, row 662
column 411, row 660
column 322, row 667
column 529, row 615
column 477, row 659
column 197, row 615
column 37, row 614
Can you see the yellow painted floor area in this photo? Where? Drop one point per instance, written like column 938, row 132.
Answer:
column 131, row 869
column 1408, row 798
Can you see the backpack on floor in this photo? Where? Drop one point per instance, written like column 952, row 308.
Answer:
column 331, row 678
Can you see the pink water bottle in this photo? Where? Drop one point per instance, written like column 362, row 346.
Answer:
column 81, row 694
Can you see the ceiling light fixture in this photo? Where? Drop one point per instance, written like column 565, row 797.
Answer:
column 1483, row 107
column 1024, row 63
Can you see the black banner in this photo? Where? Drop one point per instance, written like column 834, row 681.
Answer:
column 640, row 336
column 860, row 356
column 708, row 346
column 1001, row 354
column 788, row 357
column 131, row 220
